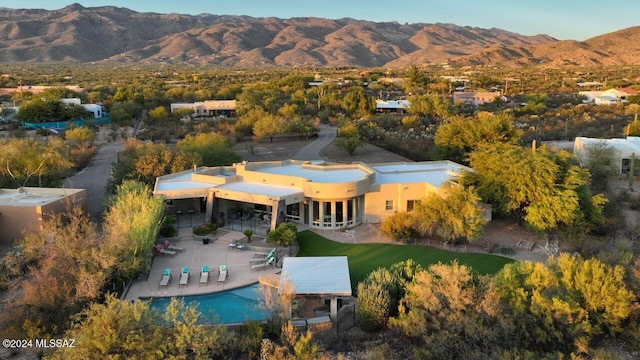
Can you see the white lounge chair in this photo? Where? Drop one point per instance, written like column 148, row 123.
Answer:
column 184, row 276
column 169, row 246
column 270, row 262
column 204, row 275
column 166, row 277
column 164, row 251
column 222, row 276
column 265, row 255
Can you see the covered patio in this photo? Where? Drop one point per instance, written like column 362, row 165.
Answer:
column 322, row 279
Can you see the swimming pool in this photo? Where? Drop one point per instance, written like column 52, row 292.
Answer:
column 226, row 307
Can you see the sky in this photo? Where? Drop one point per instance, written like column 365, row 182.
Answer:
column 561, row 19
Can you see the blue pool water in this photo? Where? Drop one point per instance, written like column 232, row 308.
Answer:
column 226, row 307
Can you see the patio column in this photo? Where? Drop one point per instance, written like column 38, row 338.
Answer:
column 211, row 196
column 334, row 308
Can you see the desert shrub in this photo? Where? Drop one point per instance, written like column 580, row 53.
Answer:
column 205, row 229
column 168, row 229
column 399, row 226
column 373, row 306
column 285, row 234
column 248, row 233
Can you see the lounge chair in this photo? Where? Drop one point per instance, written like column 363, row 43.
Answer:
column 222, row 276
column 164, row 251
column 184, row 276
column 169, row 246
column 255, row 261
column 166, row 277
column 265, row 255
column 204, row 275
column 270, row 262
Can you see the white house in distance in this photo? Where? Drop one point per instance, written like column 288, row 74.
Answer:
column 608, row 97
column 208, row 108
column 319, row 195
column 624, row 149
column 477, row 98
column 95, row 109
column 392, row 106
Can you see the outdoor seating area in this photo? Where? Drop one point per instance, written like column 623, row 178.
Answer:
column 204, row 261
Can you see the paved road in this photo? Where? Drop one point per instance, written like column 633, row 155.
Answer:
column 94, row 178
column 326, row 135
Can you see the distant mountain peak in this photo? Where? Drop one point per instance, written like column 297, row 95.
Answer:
column 79, row 34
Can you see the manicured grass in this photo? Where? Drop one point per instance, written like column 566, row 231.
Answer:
column 364, row 258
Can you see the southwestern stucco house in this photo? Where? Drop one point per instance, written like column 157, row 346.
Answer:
column 26, row 208
column 319, row 195
column 623, row 151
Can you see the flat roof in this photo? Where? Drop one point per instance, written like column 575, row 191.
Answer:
column 33, row 197
column 182, row 181
column 320, row 275
column 320, row 175
column 434, row 173
column 631, row 143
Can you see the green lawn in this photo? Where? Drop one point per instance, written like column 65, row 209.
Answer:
column 364, row 258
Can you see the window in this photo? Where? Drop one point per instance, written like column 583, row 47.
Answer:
column 411, row 205
column 388, row 205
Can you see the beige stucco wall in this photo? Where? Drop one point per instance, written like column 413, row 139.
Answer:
column 15, row 219
column 375, row 200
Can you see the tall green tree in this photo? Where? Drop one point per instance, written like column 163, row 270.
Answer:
column 131, row 225
column 452, row 215
column 449, row 312
column 211, row 148
column 598, row 158
column 540, row 187
column 563, row 303
column 58, row 269
column 269, row 126
column 459, row 136
column 348, row 139
column 358, row 104
column 119, row 329
column 125, row 112
column 430, row 105
column 23, row 160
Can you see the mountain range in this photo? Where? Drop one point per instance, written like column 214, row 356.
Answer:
column 102, row 34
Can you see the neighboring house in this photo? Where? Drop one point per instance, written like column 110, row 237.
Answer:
column 27, row 207
column 624, row 149
column 95, row 109
column 477, row 98
column 596, row 84
column 36, row 89
column 208, row 108
column 392, row 106
column 608, row 97
column 317, row 194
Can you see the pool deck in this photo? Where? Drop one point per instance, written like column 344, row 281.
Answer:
column 195, row 255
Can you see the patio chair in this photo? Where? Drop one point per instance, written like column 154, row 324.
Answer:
column 270, row 262
column 166, row 277
column 184, row 276
column 222, row 276
column 260, row 260
column 164, row 251
column 169, row 246
column 204, row 275
column 265, row 255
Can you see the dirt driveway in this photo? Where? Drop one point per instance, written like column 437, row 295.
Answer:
column 286, row 148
